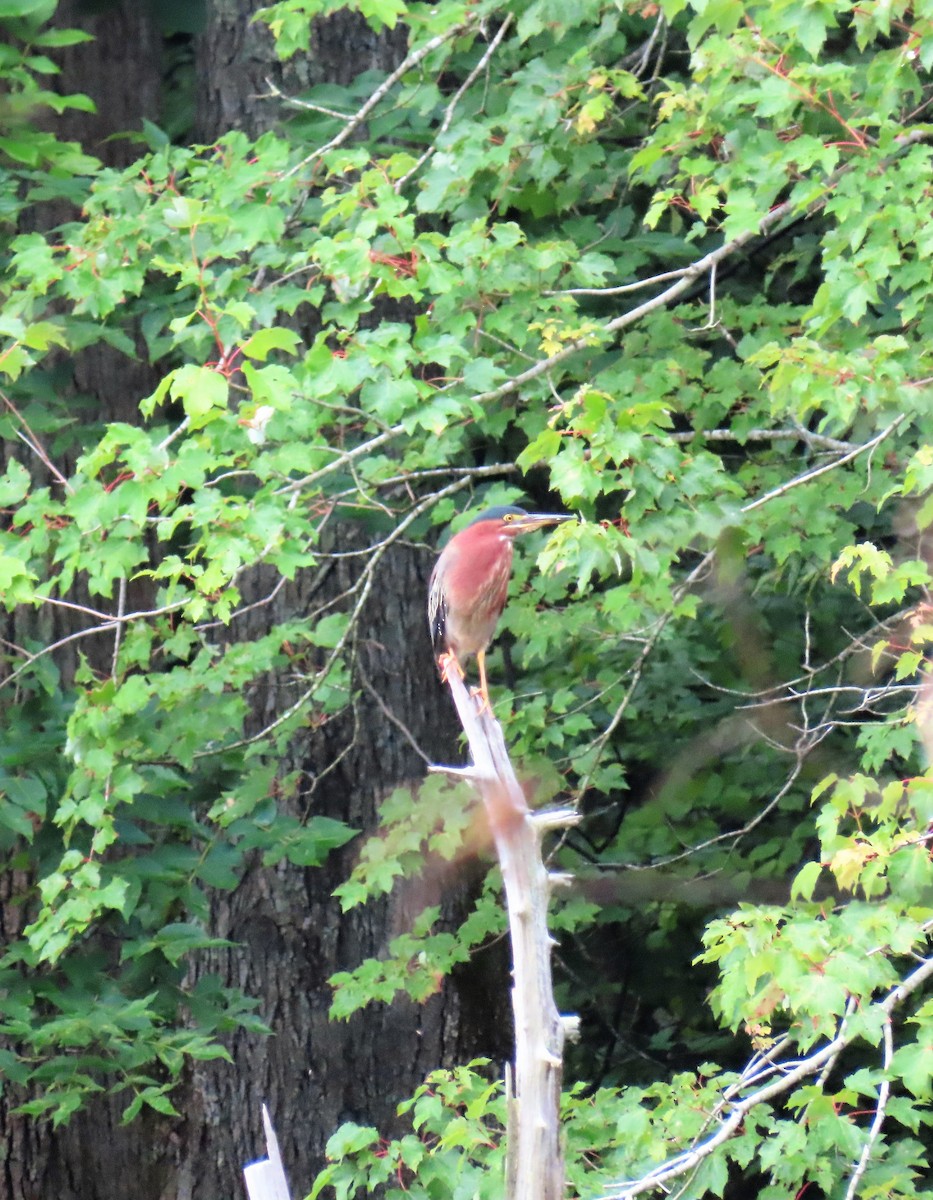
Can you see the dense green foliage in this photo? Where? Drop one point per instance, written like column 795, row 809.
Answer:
column 672, row 263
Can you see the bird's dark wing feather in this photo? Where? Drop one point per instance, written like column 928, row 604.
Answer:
column 437, row 613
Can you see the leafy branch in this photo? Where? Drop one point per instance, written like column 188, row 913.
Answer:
column 791, row 1072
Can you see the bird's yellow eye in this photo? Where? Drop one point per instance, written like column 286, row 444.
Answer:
column 508, row 516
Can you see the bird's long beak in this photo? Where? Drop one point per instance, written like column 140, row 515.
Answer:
column 531, row 521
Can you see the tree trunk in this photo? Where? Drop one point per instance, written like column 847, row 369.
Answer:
column 289, row 933
column 291, row 936
column 121, row 71
column 237, row 62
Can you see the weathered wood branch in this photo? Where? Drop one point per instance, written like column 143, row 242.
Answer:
column 265, row 1179
column 535, row 1165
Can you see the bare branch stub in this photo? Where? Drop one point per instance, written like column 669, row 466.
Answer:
column 535, row 1166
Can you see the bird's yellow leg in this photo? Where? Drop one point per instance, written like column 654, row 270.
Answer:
column 447, row 662
column 485, row 705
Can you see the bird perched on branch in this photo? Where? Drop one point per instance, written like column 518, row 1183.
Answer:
column 469, row 585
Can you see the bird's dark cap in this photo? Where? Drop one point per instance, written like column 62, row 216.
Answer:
column 514, row 520
column 498, row 512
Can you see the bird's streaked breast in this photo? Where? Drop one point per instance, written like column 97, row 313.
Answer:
column 468, row 592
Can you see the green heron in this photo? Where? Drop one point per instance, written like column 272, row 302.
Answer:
column 469, row 585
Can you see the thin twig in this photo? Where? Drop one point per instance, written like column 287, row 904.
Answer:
column 239, row 612
column 274, row 93
column 687, row 1161
column 884, row 1092
column 638, row 667
column 176, row 433
column 118, row 632
column 362, row 589
column 491, row 471
column 700, row 267
column 109, row 617
column 711, row 321
column 35, row 445
column 865, row 697
column 366, row 582
column 458, row 95
column 636, row 673
column 851, row 1006
column 686, row 278
column 410, row 61
column 50, row 649
column 644, row 52
column 342, row 460
column 819, row 440
column 816, row 472
column 733, row 835
column 620, row 289
column 333, row 761
column 856, row 645
column 390, row 716
column 697, row 573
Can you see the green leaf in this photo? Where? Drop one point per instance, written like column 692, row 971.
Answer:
column 40, row 10
column 156, row 138
column 61, row 37
column 309, row 845
column 264, row 341
column 349, row 1139
column 201, row 390
column 15, row 581
column 805, row 881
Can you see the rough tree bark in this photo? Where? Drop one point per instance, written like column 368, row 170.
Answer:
column 290, row 935
column 237, row 64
